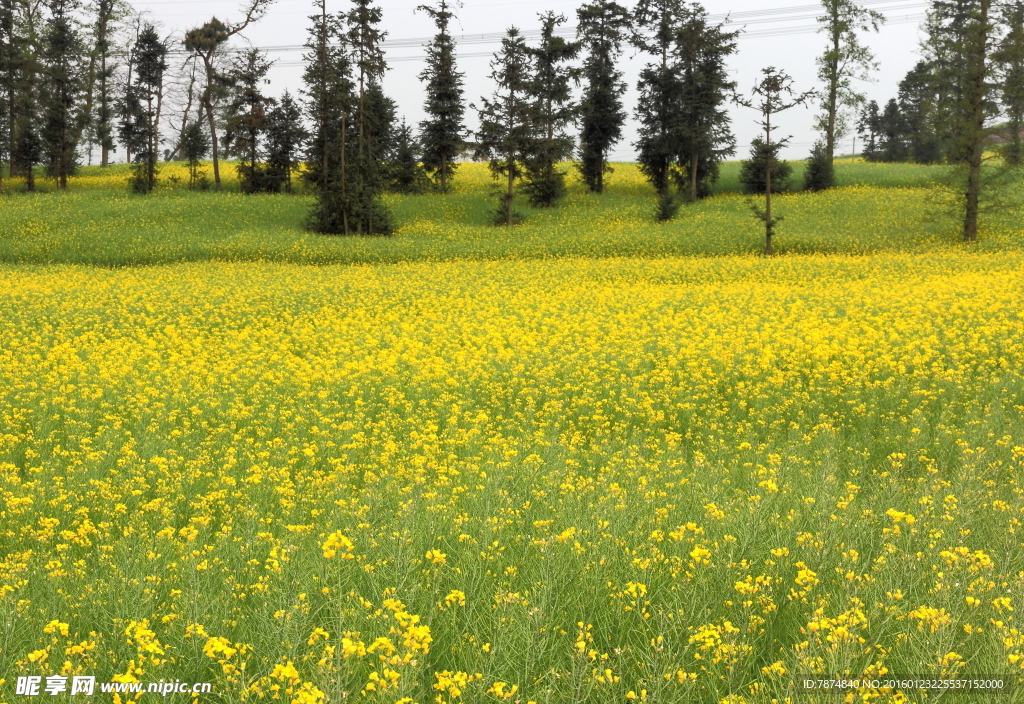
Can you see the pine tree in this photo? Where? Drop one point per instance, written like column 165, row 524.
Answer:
column 285, row 139
column 962, row 35
column 754, row 170
column 702, row 51
column 868, row 127
column 773, row 94
column 63, row 54
column 892, row 146
column 660, row 108
column 820, row 172
column 28, row 72
column 506, row 126
column 207, row 42
column 442, row 133
column 246, row 121
column 373, row 117
column 194, row 146
column 603, row 24
column 553, row 110
column 917, row 102
column 145, row 97
column 845, row 60
column 1009, row 58
column 405, row 172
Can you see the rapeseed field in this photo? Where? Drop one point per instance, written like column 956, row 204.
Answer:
column 560, row 481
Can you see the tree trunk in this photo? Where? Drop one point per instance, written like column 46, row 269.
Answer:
column 444, row 172
column 768, row 229
column 973, row 193
column 509, row 194
column 208, row 105
column 833, row 93
column 693, row 176
column 976, row 150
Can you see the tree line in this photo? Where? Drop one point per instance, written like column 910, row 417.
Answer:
column 76, row 79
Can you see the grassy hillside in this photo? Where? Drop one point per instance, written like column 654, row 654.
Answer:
column 881, row 208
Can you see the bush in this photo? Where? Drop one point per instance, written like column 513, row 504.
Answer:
column 753, row 172
column 820, row 174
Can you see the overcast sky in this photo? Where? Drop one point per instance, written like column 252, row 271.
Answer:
column 776, row 33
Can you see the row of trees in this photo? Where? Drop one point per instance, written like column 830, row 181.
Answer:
column 75, row 78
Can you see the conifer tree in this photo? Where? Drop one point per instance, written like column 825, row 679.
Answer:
column 868, row 127
column 917, row 101
column 962, row 37
column 703, row 49
column 845, row 60
column 820, row 172
column 442, row 133
column 372, row 121
column 28, row 72
column 603, row 24
column 194, row 146
column 405, row 172
column 660, row 108
column 247, row 118
column 550, row 91
column 150, row 53
column 773, row 94
column 754, row 170
column 63, row 53
column 331, row 101
column 285, row 139
column 892, row 145
column 506, row 126
column 1009, row 58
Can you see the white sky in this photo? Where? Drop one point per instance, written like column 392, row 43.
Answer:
column 778, row 33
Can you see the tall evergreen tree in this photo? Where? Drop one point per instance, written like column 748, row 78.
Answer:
column 150, row 66
column 442, row 133
column 246, row 124
column 918, row 99
column 773, row 94
column 845, row 60
column 372, row 121
column 328, row 100
column 868, row 127
column 405, row 172
column 703, row 49
column 63, row 54
column 285, row 138
column 962, row 38
column 603, row 24
column 207, row 41
column 194, row 145
column 1009, row 58
column 25, row 105
column 506, row 125
column 660, row 108
column 892, row 145
column 553, row 110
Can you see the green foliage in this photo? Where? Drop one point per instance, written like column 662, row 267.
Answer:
column 63, row 54
column 142, row 98
column 506, row 134
column 753, row 171
column 552, row 111
column 405, row 173
column 442, row 133
column 246, row 122
column 195, row 145
column 820, row 173
column 602, row 27
column 1009, row 60
column 286, row 136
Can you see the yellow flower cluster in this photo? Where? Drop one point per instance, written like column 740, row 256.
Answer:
column 601, row 481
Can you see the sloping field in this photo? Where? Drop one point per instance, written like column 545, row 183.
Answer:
column 559, row 481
